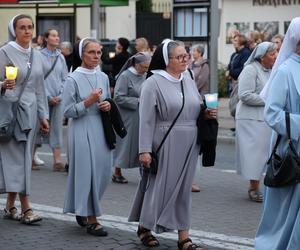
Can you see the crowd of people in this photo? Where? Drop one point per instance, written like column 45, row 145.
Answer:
column 160, row 94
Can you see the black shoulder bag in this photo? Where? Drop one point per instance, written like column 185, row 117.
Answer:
column 283, row 171
column 154, row 154
column 7, row 130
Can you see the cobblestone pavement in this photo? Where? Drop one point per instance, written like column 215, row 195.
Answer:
column 222, row 216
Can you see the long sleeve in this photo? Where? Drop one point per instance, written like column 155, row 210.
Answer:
column 202, row 76
column 247, row 87
column 278, row 102
column 42, row 102
column 73, row 108
column 147, row 111
column 64, row 75
column 122, row 97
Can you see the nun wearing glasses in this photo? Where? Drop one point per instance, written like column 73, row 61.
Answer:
column 165, row 205
column 90, row 158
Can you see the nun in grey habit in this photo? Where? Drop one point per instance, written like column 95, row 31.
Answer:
column 16, row 155
column 253, row 135
column 54, row 82
column 90, row 159
column 166, row 203
column 127, row 94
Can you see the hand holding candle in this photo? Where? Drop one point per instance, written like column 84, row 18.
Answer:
column 211, row 100
column 11, row 72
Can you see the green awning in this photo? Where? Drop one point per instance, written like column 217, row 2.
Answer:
column 103, row 3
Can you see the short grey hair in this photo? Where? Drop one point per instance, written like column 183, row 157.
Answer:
column 66, row 45
column 199, row 48
column 173, row 45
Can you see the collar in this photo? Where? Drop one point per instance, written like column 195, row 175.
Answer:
column 20, row 48
column 50, row 53
column 86, row 71
column 166, row 75
column 133, row 70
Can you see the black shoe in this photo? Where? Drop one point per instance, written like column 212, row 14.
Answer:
column 67, row 167
column 81, row 221
column 232, row 129
column 91, row 229
column 119, row 179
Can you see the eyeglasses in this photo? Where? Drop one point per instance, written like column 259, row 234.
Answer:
column 181, row 58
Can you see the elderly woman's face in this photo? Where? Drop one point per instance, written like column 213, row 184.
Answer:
column 24, row 30
column 196, row 54
column 142, row 68
column 269, row 58
column 179, row 60
column 91, row 55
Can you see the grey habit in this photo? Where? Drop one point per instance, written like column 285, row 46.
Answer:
column 166, row 205
column 16, row 155
column 90, row 159
column 127, row 93
column 253, row 135
column 54, row 87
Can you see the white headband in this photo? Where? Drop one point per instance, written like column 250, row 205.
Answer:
column 11, row 30
column 81, row 44
column 165, row 50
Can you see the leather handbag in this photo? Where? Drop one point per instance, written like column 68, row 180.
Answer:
column 285, row 170
column 7, row 130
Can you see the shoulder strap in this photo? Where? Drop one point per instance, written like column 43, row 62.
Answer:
column 288, row 131
column 52, row 67
column 191, row 73
column 174, row 121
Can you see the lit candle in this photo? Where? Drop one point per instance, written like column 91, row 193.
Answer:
column 11, row 72
column 211, row 100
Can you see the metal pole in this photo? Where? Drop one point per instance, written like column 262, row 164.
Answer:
column 213, row 49
column 95, row 14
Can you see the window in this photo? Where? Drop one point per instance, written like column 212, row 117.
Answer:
column 191, row 22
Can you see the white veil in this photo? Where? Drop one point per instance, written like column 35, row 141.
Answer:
column 288, row 47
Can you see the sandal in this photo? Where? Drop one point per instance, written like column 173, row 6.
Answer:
column 187, row 244
column 11, row 214
column 28, row 217
column 119, row 179
column 81, row 221
column 147, row 237
column 255, row 195
column 93, row 230
column 59, row 167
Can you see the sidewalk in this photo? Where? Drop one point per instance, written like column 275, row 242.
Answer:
column 65, row 234
column 226, row 122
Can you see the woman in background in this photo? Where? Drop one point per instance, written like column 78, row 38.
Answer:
column 127, row 97
column 56, row 72
column 252, row 133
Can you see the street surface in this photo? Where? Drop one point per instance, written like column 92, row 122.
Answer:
column 222, row 215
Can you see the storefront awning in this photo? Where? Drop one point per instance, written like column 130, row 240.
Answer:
column 103, row 3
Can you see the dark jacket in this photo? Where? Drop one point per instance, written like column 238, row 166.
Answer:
column 112, row 122
column 117, row 63
column 237, row 61
column 207, row 138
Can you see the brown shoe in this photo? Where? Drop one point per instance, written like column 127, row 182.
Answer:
column 35, row 167
column 195, row 188
column 59, row 167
